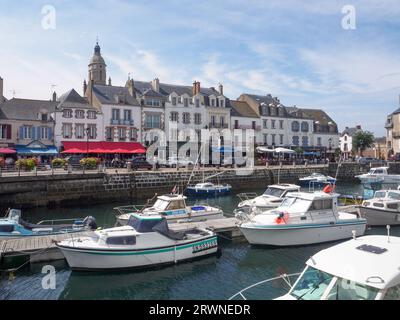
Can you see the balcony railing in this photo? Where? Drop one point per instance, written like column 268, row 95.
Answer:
column 245, row 127
column 117, row 122
column 218, row 126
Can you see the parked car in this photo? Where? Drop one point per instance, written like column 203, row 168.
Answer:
column 72, row 161
column 174, row 162
column 141, row 163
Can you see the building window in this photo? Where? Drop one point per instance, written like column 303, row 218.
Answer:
column 186, row 118
column 79, row 131
column 5, row 131
column 115, row 114
column 197, row 118
column 67, row 113
column 127, row 115
column 345, row 138
column 222, row 121
column 265, row 124
column 80, row 114
column 153, row 121
column 133, row 134
column 319, row 141
column 186, row 102
column 222, row 103
column 45, row 133
column 173, row 101
column 281, row 136
column 109, row 134
column 304, row 126
column 273, row 139
column 26, row 133
column 122, row 134
column 91, row 114
column 236, row 124
column 92, row 131
column 44, row 117
column 265, row 138
column 273, row 124
column 213, row 120
column 296, row 140
column 212, row 102
column 253, row 125
column 197, row 102
column 295, row 126
column 67, row 130
column 281, row 124
column 304, row 141
column 174, row 116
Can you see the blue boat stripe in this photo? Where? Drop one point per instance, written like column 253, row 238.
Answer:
column 304, row 226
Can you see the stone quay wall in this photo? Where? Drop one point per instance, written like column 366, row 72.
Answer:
column 76, row 189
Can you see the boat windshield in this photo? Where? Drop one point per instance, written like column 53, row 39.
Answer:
column 294, row 205
column 143, row 225
column 161, row 205
column 380, row 194
column 275, row 192
column 394, row 195
column 311, row 285
column 344, row 289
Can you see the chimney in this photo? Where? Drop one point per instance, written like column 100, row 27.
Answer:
column 54, row 96
column 155, row 84
column 131, row 87
column 198, row 87
column 221, row 89
column 194, row 90
column 358, row 127
column 84, row 87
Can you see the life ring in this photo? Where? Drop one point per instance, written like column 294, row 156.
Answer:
column 329, row 188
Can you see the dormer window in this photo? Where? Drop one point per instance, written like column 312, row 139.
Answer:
column 79, row 114
column 197, row 102
column 44, row 117
column 67, row 113
column 222, row 103
column 173, row 100
column 212, row 102
column 186, row 102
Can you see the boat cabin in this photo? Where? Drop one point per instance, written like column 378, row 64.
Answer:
column 378, row 171
column 171, row 204
column 365, row 268
column 281, row 190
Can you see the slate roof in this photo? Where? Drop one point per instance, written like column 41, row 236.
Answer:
column 25, row 109
column 318, row 115
column 242, row 109
column 350, row 131
column 268, row 99
column 72, row 99
column 109, row 94
column 396, row 112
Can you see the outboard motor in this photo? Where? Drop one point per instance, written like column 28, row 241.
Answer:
column 90, row 222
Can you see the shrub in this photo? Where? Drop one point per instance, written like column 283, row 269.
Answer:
column 2, row 162
column 90, row 163
column 58, row 163
column 27, row 164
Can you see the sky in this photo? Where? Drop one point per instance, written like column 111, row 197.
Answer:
column 295, row 50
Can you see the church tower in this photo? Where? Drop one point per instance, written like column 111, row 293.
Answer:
column 97, row 67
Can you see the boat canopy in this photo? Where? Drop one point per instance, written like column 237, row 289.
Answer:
column 144, row 224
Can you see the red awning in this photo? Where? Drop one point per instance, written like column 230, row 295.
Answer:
column 103, row 147
column 7, row 151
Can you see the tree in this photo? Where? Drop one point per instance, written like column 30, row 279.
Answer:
column 362, row 140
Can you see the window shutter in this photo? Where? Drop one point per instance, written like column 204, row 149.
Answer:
column 33, row 133
column 50, row 133
column 21, row 133
column 8, row 132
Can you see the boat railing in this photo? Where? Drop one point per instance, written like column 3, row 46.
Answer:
column 284, row 277
column 247, row 196
column 58, row 221
column 129, row 209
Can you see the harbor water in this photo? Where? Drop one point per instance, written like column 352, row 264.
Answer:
column 215, row 278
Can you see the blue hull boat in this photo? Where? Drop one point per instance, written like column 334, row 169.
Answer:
column 208, row 190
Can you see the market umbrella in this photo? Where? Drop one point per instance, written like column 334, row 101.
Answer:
column 265, row 150
column 283, row 150
column 7, row 151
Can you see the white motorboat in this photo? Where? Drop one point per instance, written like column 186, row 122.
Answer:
column 301, row 219
column 364, row 268
column 208, row 189
column 383, row 209
column 145, row 241
column 316, row 180
column 173, row 208
column 379, row 175
column 271, row 198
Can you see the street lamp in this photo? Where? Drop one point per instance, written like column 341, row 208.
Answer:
column 87, row 141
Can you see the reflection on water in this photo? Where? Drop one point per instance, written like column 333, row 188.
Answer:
column 239, row 266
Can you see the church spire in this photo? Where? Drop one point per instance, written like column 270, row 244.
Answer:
column 97, row 67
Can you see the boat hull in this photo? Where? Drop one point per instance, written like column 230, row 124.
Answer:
column 314, row 183
column 286, row 235
column 376, row 217
column 197, row 192
column 197, row 217
column 103, row 260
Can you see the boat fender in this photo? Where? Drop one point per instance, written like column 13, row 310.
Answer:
column 282, row 218
column 329, row 188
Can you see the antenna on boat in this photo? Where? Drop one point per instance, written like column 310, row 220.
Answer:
column 388, row 232
column 354, row 234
